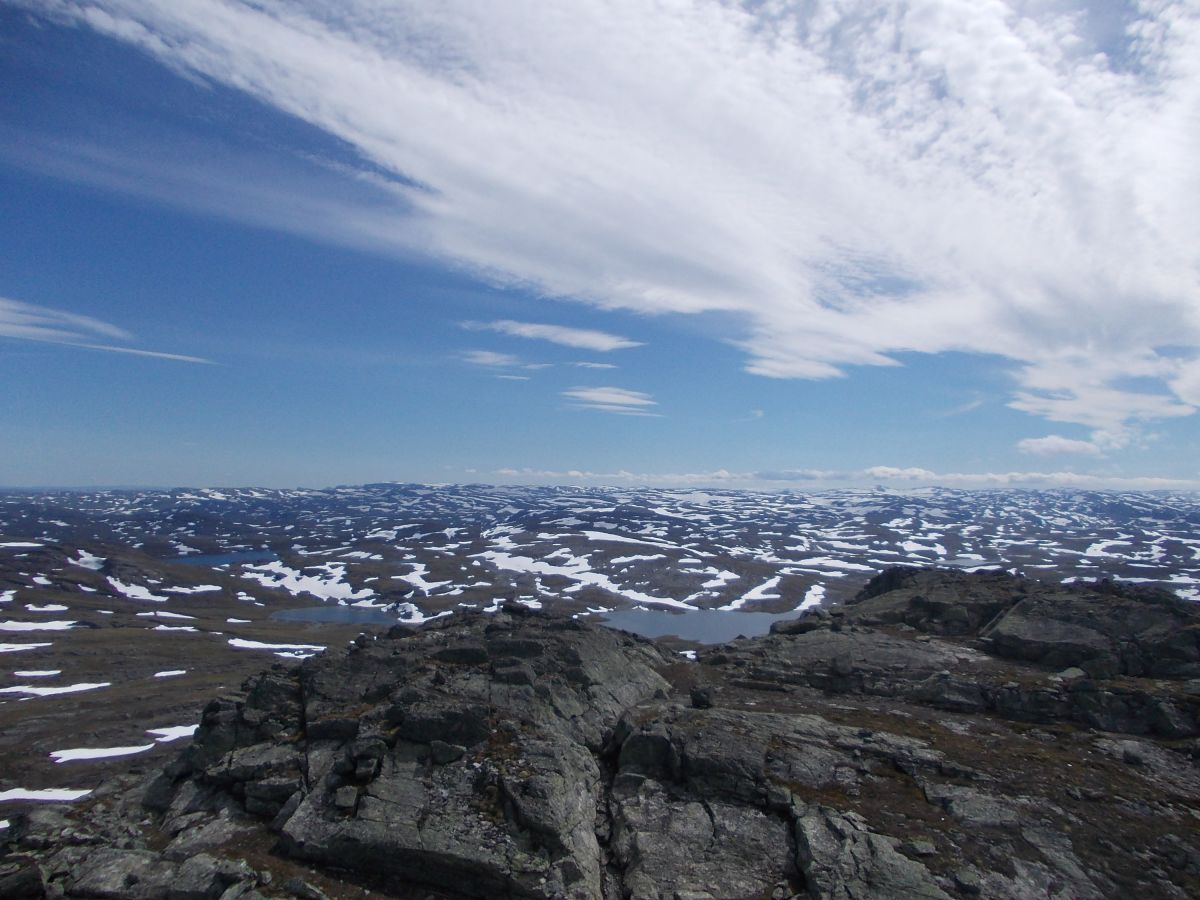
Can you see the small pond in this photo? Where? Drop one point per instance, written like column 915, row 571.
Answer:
column 705, row 626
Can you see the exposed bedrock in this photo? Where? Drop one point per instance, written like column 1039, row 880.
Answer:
column 946, row 735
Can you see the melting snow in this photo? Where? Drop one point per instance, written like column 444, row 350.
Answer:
column 762, row 592
column 62, row 756
column 135, row 591
column 328, row 586
column 576, row 569
column 721, row 578
column 622, row 539
column 243, row 644
column 10, row 625
column 21, row 545
column 48, row 608
column 831, row 563
column 172, row 732
column 417, row 578
column 411, row 614
column 814, row 597
column 51, row 691
column 49, row 795
column 38, row 673
column 88, row 561
column 17, row 648
column 628, row 559
column 170, row 673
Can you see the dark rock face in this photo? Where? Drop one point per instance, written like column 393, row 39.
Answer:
column 920, row 742
column 943, row 602
column 421, row 759
column 1104, row 633
column 1106, row 629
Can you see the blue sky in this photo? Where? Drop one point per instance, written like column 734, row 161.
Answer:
column 759, row 245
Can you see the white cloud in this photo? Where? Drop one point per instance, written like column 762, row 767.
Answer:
column 624, row 476
column 40, row 323
column 613, row 400
column 490, row 358
column 889, row 476
column 153, row 354
column 925, row 477
column 1186, row 382
column 892, row 473
column 26, row 321
column 1054, row 445
column 593, row 365
column 581, row 338
column 849, row 180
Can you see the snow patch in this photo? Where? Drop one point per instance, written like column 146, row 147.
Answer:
column 326, row 586
column 762, row 592
column 88, row 561
column 45, row 795
column 11, row 625
column 172, row 732
column 62, row 756
column 33, row 691
column 135, row 591
column 17, row 648
column 815, row 596
column 291, row 651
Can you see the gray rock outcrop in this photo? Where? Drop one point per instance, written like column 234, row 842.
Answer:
column 894, row 747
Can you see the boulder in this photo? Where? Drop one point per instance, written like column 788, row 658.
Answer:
column 842, row 859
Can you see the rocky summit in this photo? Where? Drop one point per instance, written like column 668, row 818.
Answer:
column 943, row 734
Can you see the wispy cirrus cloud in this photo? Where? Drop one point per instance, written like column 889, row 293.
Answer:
column 613, row 400
column 30, row 322
column 580, row 338
column 491, row 358
column 1028, row 168
column 41, row 323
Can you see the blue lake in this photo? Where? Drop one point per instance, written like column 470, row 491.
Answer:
column 705, row 626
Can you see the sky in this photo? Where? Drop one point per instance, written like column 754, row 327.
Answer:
column 760, row 244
